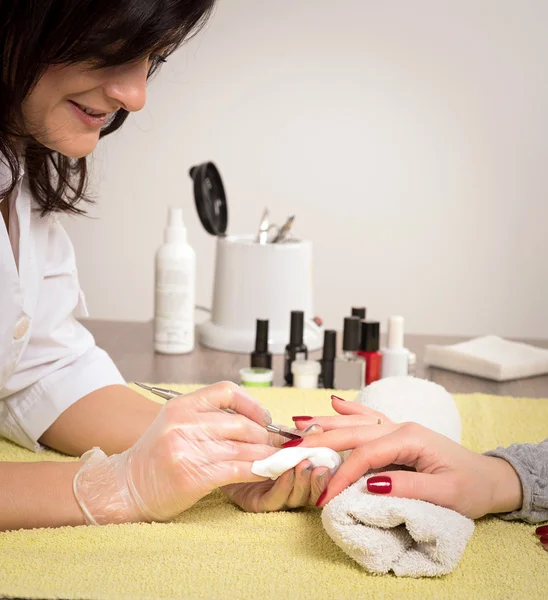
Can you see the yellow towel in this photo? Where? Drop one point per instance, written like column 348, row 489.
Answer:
column 215, row 550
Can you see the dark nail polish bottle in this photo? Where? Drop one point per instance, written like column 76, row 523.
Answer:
column 328, row 358
column 261, row 357
column 359, row 311
column 296, row 349
column 369, row 350
column 349, row 367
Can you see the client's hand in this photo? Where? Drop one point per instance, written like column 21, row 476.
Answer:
column 445, row 473
column 300, row 486
column 190, row 449
column 303, row 485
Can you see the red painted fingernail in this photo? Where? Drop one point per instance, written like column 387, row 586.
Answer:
column 302, row 418
column 292, row 443
column 337, row 398
column 380, row 484
column 544, row 540
column 322, row 496
column 542, row 530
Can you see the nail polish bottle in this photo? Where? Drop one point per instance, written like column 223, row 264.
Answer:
column 305, row 373
column 349, row 367
column 369, row 350
column 395, row 357
column 359, row 311
column 261, row 357
column 296, row 349
column 328, row 358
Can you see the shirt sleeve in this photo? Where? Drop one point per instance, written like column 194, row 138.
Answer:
column 60, row 363
column 530, row 462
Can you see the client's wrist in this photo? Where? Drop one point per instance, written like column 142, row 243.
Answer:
column 507, row 493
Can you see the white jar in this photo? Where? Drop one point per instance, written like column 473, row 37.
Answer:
column 305, row 373
column 175, row 284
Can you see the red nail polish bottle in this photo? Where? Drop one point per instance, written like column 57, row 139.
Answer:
column 369, row 350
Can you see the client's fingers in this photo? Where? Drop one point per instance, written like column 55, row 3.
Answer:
column 410, row 484
column 390, row 449
column 348, row 438
column 330, row 423
column 354, row 408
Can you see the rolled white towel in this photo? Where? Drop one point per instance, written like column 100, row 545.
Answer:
column 383, row 533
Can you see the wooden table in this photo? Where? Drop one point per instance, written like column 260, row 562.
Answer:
column 130, row 346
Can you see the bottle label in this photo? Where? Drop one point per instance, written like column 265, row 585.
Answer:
column 174, row 307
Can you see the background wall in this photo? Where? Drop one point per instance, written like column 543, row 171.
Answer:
column 409, row 138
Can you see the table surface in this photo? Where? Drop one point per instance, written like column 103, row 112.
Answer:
column 130, row 346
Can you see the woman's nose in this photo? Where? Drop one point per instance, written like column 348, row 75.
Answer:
column 127, row 85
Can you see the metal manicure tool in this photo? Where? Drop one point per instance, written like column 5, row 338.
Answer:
column 264, row 228
column 169, row 394
column 283, row 233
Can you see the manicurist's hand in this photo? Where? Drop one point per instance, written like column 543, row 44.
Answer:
column 445, row 473
column 190, row 449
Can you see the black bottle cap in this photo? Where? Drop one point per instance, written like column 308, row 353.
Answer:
column 359, row 311
column 329, row 344
column 261, row 335
column 351, row 335
column 297, row 328
column 210, row 198
column 370, row 338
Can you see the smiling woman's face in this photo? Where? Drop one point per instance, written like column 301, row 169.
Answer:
column 71, row 103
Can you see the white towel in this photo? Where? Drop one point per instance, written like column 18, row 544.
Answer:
column 287, row 458
column 382, row 533
column 490, row 357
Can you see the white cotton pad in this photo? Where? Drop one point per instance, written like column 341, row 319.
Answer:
column 287, row 458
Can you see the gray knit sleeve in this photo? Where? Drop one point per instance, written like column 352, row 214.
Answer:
column 531, row 464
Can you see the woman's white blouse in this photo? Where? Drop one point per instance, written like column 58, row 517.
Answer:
column 48, row 360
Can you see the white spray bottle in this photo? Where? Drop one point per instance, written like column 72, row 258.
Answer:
column 175, row 284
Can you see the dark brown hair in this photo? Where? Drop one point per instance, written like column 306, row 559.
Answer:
column 35, row 34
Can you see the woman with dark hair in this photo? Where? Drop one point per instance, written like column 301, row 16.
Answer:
column 72, row 71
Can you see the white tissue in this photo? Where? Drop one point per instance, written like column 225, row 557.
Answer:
column 287, row 458
column 491, row 357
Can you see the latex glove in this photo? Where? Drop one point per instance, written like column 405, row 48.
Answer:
column 190, row 449
column 443, row 472
column 301, row 486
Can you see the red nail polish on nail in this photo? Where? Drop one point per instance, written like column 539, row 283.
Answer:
column 337, row 398
column 322, row 496
column 542, row 530
column 544, row 540
column 292, row 443
column 302, row 418
column 380, row 484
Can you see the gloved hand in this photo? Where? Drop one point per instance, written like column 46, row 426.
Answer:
column 190, row 449
column 301, row 486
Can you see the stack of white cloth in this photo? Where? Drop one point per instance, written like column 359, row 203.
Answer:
column 383, row 533
column 490, row 357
